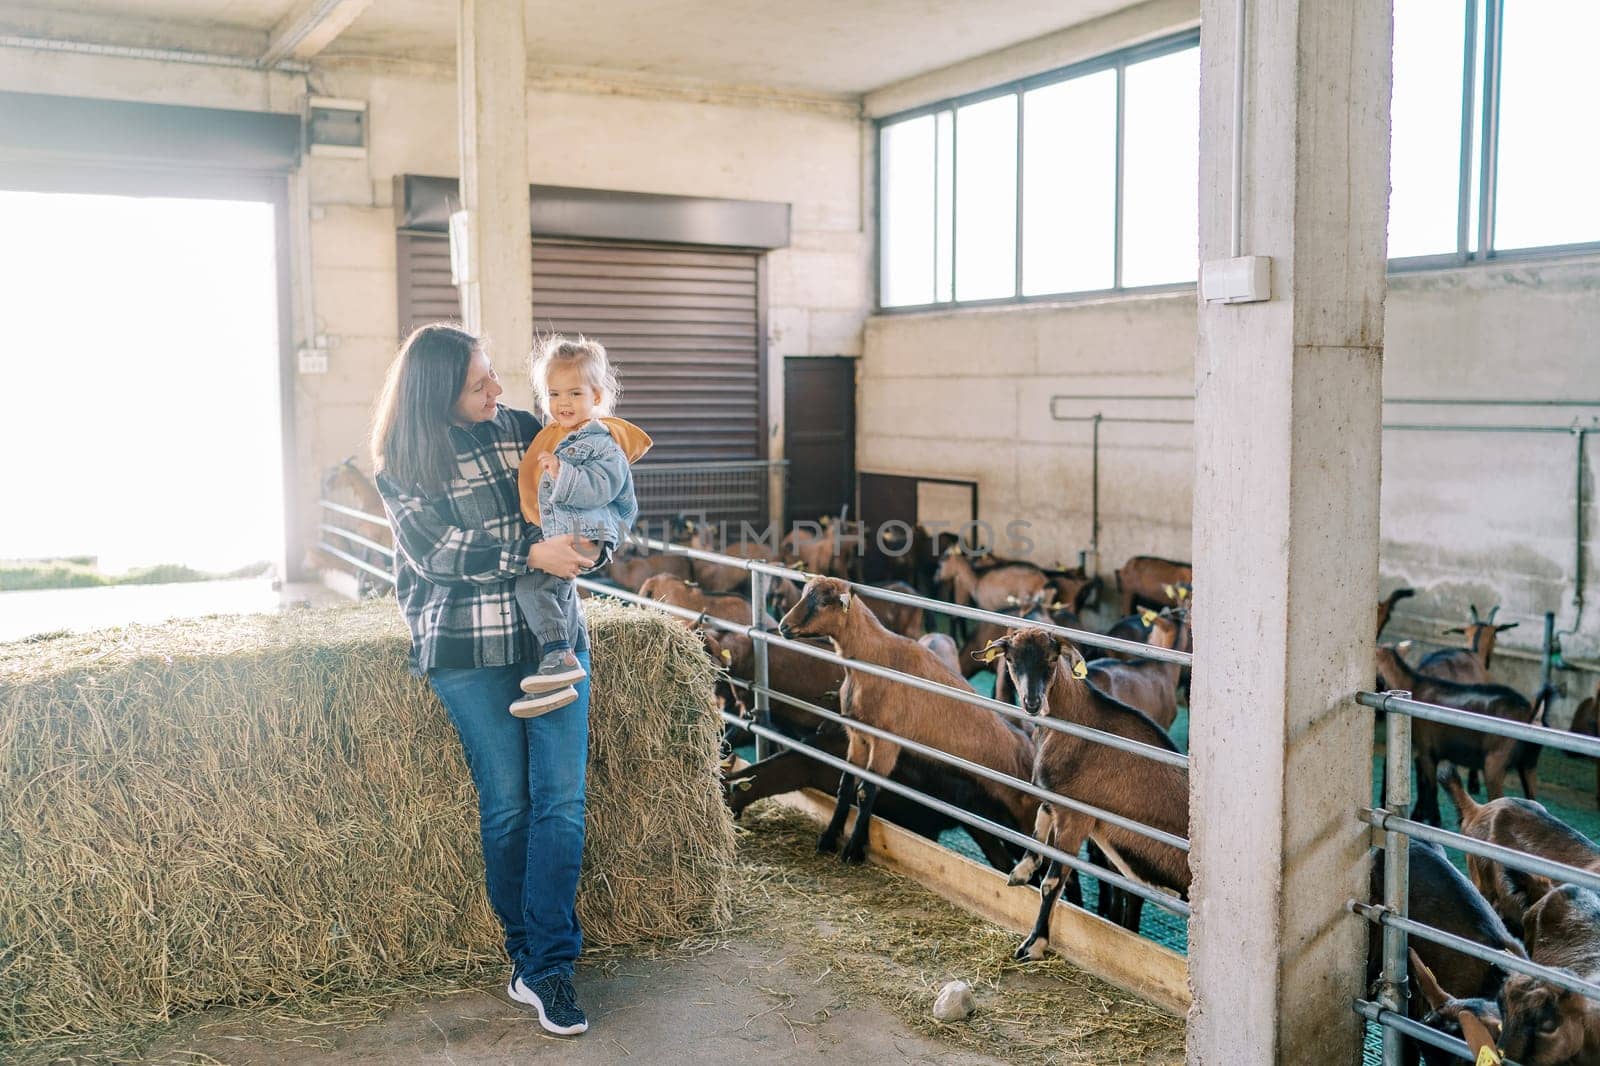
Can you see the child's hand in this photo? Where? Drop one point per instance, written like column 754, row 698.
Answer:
column 548, row 463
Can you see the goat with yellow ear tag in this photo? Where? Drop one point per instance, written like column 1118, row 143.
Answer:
column 1050, row 676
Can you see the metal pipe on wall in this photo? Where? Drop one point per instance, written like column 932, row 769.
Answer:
column 1579, row 433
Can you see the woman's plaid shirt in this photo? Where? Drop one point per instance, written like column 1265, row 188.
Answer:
column 459, row 554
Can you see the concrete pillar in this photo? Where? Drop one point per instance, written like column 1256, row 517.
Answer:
column 1288, row 408
column 497, row 298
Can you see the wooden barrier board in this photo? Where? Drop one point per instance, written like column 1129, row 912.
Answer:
column 1146, row 969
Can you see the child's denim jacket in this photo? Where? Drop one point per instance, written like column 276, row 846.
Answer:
column 592, row 494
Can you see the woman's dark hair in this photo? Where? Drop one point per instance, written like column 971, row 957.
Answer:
column 411, row 426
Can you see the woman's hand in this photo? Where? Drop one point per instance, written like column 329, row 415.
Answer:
column 548, row 463
column 557, row 556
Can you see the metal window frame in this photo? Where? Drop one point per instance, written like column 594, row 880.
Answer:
column 1474, row 236
column 1118, row 61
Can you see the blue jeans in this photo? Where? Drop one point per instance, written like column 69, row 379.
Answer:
column 529, row 775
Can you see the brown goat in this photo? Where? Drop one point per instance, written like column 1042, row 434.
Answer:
column 985, row 632
column 899, row 618
column 1433, row 742
column 1386, row 607
column 631, row 568
column 1477, row 1020
column 1546, row 1025
column 993, row 589
column 1586, row 721
column 1469, row 665
column 944, row 646
column 676, row 592
column 1148, row 581
column 717, row 577
column 1526, row 826
column 793, row 673
column 1441, row 896
column 829, row 609
column 1146, row 684
column 1049, row 675
column 831, row 552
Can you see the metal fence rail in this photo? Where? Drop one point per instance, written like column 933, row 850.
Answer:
column 1392, row 916
column 762, row 574
column 350, row 536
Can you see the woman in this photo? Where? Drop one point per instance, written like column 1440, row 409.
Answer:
column 446, row 455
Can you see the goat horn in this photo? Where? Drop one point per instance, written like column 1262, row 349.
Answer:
column 1474, row 609
column 1436, row 996
column 1492, row 612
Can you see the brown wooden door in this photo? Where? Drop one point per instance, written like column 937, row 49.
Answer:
column 819, row 436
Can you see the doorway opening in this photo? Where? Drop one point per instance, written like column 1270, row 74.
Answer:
column 141, row 422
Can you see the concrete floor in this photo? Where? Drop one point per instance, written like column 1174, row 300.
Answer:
column 740, row 1003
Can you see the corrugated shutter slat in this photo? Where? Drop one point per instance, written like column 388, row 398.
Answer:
column 682, row 326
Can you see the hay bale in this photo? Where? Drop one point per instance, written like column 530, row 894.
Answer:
column 236, row 810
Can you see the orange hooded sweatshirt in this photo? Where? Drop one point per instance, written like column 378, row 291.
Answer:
column 633, row 441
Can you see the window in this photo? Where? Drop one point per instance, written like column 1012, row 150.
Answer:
column 1161, row 169
column 1485, row 156
column 1069, row 185
column 1548, row 155
column 986, row 199
column 1425, row 136
column 1080, row 180
column 1085, row 179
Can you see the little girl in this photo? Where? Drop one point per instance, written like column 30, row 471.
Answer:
column 575, row 479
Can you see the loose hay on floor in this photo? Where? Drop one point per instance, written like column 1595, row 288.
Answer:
column 871, row 935
column 269, row 808
column 894, row 941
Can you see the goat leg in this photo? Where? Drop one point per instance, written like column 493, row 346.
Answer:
column 881, row 758
column 995, row 851
column 856, row 753
column 1495, row 763
column 1529, row 775
column 1426, row 809
column 1043, row 827
column 1033, row 948
column 829, row 840
column 855, row 849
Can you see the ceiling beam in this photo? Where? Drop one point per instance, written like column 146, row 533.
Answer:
column 309, row 27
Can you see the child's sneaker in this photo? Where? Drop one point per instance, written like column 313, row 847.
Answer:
column 544, row 702
column 557, row 669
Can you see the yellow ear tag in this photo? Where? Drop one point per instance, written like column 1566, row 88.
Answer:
column 1147, row 617
column 727, row 656
column 1183, row 594
column 1488, row 1056
column 1171, row 592
column 1080, row 670
column 991, row 654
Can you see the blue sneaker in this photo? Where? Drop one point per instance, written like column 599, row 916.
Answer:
column 554, row 1000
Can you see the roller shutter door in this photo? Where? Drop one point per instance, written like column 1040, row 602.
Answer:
column 683, row 327
column 426, row 295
